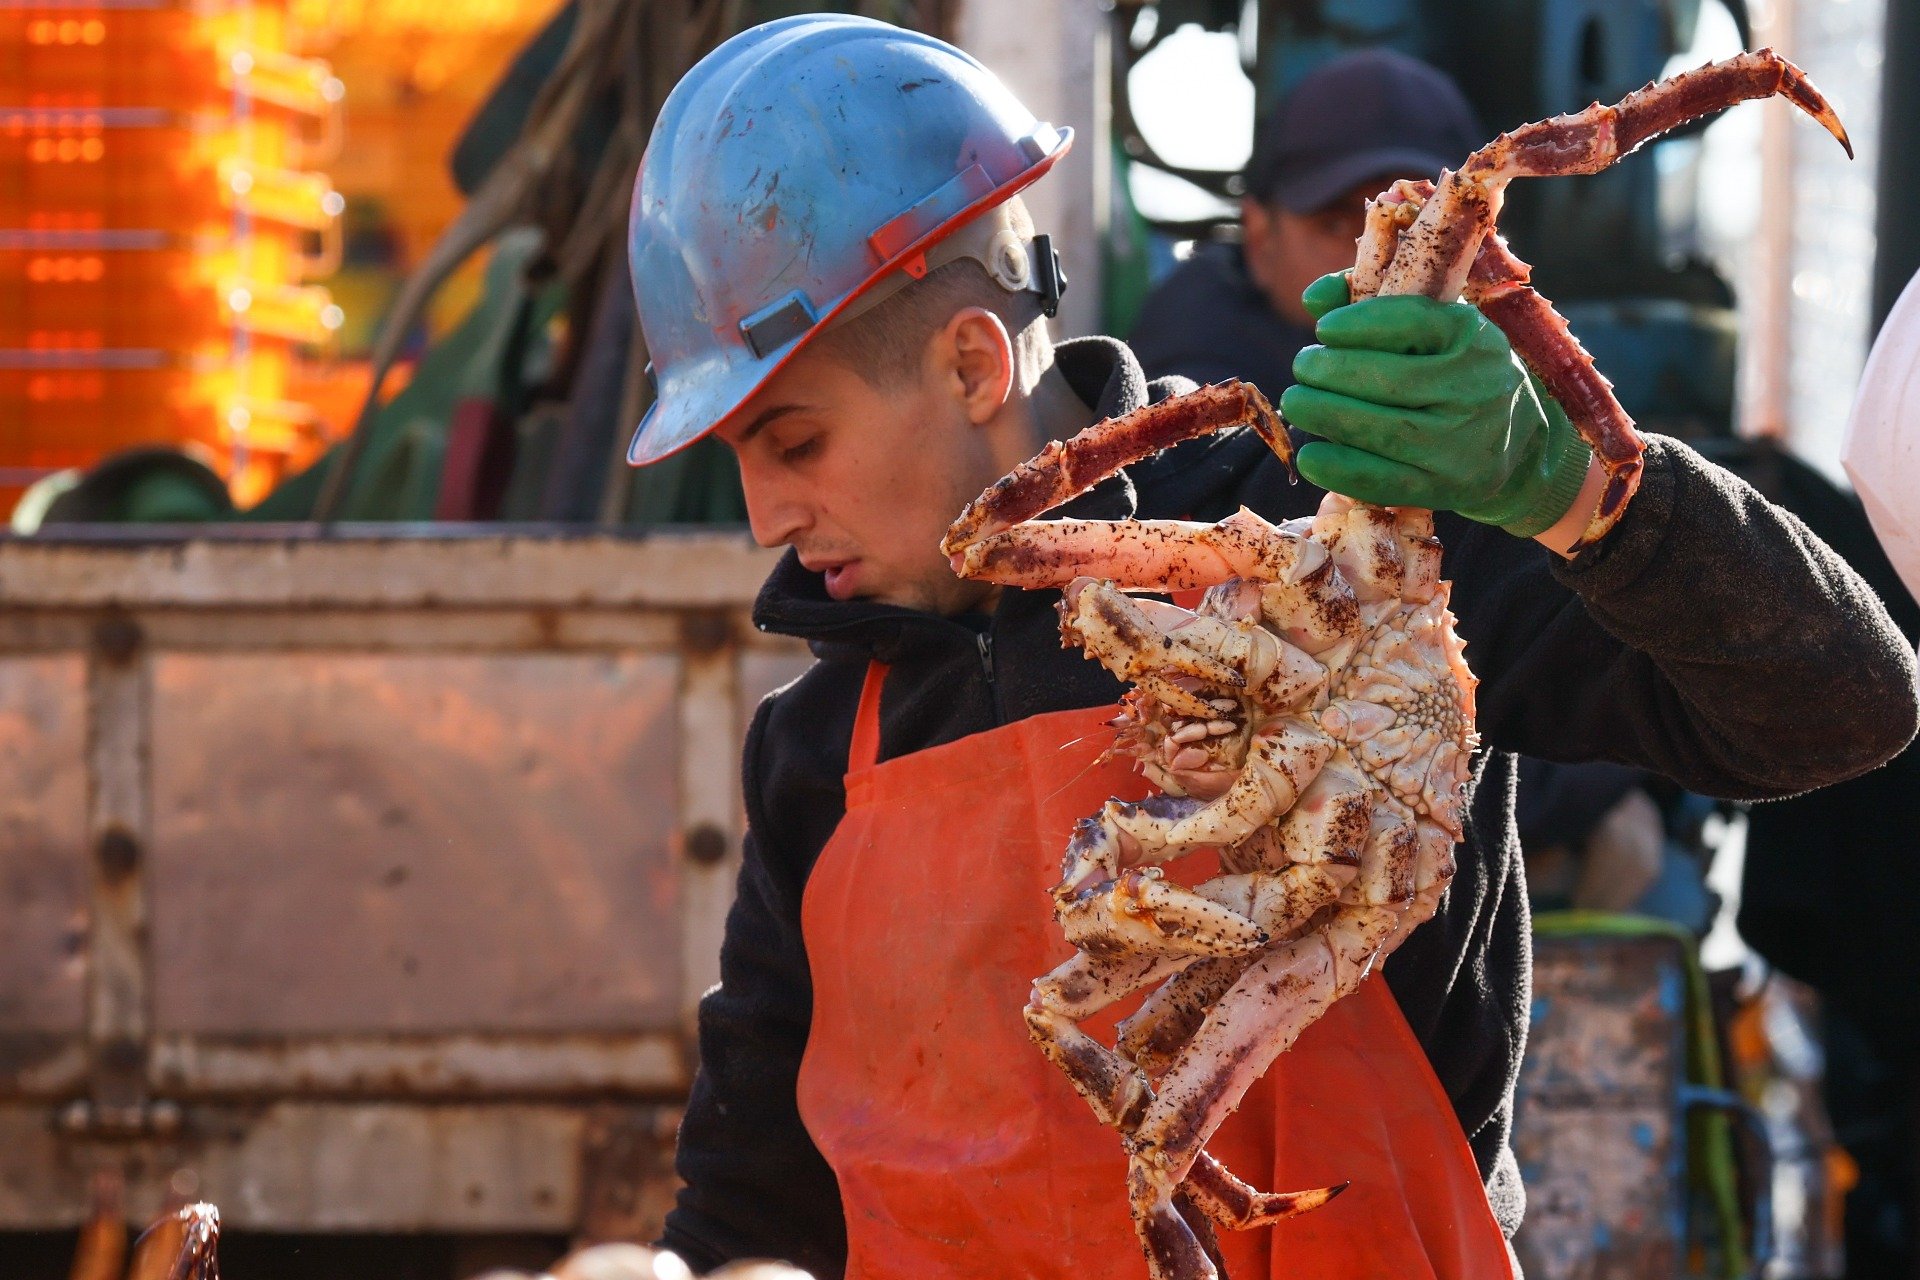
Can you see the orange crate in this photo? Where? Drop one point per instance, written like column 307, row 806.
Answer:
column 172, row 298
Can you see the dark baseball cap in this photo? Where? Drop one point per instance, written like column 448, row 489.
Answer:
column 1363, row 115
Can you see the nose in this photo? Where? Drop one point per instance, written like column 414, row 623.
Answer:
column 774, row 514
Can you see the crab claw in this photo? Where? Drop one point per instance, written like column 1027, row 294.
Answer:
column 1238, row 1207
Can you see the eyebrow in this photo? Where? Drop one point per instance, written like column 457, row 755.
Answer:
column 764, row 420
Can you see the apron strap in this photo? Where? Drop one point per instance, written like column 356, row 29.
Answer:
column 864, row 752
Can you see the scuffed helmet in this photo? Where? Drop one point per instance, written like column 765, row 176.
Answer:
column 801, row 167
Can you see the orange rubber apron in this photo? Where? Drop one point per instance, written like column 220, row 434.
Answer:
column 962, row 1154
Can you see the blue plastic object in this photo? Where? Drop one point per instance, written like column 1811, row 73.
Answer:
column 795, row 167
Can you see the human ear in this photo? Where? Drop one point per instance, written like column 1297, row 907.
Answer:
column 979, row 359
column 1256, row 226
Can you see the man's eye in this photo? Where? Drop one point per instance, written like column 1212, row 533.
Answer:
column 802, row 451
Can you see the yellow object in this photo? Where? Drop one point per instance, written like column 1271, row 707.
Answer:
column 158, row 223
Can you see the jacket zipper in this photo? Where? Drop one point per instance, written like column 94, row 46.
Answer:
column 984, row 643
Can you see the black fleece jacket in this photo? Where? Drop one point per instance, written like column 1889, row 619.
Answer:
column 1710, row 638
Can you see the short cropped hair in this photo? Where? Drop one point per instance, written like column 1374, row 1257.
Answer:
column 885, row 345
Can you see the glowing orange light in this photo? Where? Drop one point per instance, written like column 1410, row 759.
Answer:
column 203, row 280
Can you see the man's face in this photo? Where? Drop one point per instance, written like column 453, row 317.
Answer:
column 861, row 481
column 1288, row 251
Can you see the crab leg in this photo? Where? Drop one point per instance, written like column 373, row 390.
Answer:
column 1283, row 991
column 1156, row 555
column 1066, row 469
column 1444, row 247
column 1499, row 285
column 1145, row 640
column 1330, row 828
column 1388, row 214
column 1238, row 1207
column 1438, row 249
column 1119, row 1093
column 191, row 1235
column 1116, row 1089
column 1444, row 250
column 1156, row 1033
column 1589, row 140
column 1269, row 903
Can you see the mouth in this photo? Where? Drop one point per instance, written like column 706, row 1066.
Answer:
column 838, row 573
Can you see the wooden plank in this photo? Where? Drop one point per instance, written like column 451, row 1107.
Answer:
column 666, row 570
column 317, row 1166
column 708, row 843
column 421, row 1067
column 118, row 993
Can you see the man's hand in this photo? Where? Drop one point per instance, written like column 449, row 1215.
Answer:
column 1422, row 403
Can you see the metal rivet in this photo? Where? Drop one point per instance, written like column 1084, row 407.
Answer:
column 123, row 1054
column 76, row 1116
column 706, row 631
column 118, row 639
column 118, row 852
column 706, row 844
column 164, row 1117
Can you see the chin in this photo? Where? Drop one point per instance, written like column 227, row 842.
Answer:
column 911, row 595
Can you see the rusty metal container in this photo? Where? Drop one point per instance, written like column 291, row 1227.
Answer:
column 372, row 878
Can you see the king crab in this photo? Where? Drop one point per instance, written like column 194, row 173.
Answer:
column 1311, row 720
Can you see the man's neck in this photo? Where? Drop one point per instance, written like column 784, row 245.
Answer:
column 1050, row 411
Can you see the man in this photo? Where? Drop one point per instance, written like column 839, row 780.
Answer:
column 1334, row 142
column 836, row 278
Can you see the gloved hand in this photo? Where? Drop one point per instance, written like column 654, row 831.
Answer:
column 1422, row 403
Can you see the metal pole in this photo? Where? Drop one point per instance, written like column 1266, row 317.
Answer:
column 1769, row 311
column 1896, row 220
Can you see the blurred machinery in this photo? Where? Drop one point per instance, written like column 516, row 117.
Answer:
column 160, row 215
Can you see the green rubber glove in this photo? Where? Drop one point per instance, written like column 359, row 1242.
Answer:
column 1422, row 403
column 1326, row 293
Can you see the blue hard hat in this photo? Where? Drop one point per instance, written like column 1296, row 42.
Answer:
column 795, row 168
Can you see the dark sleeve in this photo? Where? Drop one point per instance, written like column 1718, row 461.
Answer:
column 756, row 1186
column 1561, row 804
column 1711, row 637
